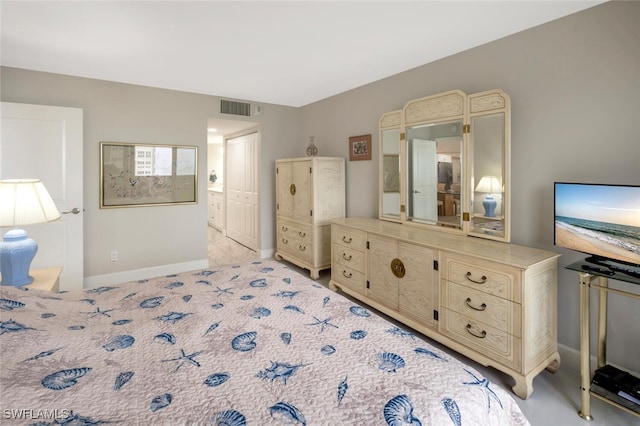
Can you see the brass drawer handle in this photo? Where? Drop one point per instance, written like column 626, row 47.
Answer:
column 473, row 333
column 483, row 279
column 292, row 189
column 344, row 238
column 344, row 256
column 285, row 241
column 302, row 234
column 284, row 228
column 302, row 248
column 481, row 308
column 344, row 273
column 397, row 267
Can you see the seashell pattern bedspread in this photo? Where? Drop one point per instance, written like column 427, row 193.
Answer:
column 252, row 344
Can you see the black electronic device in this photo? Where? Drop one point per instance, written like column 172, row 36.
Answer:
column 617, row 385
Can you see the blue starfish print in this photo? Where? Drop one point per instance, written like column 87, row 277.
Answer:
column 323, row 323
column 99, row 312
column 183, row 358
column 221, row 291
column 483, row 384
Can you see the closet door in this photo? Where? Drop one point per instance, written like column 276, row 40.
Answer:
column 242, row 190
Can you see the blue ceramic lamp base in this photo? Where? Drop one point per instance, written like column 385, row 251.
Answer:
column 489, row 205
column 16, row 253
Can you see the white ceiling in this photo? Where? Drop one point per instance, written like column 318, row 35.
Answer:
column 289, row 53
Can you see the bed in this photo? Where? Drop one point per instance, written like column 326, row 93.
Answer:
column 255, row 344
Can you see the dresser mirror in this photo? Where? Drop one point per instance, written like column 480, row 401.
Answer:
column 445, row 163
column 390, row 177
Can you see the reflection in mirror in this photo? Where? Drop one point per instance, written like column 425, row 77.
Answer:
column 434, row 173
column 488, row 161
column 391, row 173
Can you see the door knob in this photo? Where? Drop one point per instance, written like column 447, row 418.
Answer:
column 74, row 210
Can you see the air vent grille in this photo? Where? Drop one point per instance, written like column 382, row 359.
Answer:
column 235, row 108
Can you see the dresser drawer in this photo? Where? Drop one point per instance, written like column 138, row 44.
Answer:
column 297, row 247
column 348, row 257
column 293, row 230
column 499, row 313
column 499, row 280
column 489, row 341
column 348, row 237
column 349, row 278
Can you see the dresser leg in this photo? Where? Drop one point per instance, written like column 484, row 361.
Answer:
column 554, row 364
column 524, row 386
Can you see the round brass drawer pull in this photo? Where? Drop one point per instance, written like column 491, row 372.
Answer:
column 482, row 280
column 482, row 335
column 344, row 273
column 397, row 267
column 481, row 308
column 344, row 256
column 344, row 238
column 292, row 189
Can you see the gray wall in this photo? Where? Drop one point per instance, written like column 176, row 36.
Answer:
column 575, row 90
column 149, row 237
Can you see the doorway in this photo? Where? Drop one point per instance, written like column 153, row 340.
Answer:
column 220, row 184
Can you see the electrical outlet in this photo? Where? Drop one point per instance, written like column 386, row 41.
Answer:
column 114, row 256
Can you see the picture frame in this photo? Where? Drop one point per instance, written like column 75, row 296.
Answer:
column 138, row 174
column 360, row 147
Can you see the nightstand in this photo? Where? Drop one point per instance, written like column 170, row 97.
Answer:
column 45, row 279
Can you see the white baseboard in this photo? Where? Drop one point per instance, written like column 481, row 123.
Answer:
column 570, row 358
column 266, row 253
column 143, row 274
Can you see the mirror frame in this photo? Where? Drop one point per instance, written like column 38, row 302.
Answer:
column 123, row 185
column 442, row 108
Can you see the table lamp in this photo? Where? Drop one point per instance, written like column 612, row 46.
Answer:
column 490, row 185
column 22, row 202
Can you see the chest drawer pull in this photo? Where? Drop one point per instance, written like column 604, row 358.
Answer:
column 302, row 248
column 302, row 234
column 344, row 256
column 344, row 273
column 481, row 308
column 481, row 335
column 348, row 241
column 285, row 241
column 284, row 228
column 482, row 280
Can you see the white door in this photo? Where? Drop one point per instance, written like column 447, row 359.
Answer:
column 242, row 190
column 424, row 180
column 45, row 142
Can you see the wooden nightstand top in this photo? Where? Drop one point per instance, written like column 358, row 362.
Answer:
column 46, row 279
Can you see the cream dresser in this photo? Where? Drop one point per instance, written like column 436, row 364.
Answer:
column 491, row 301
column 310, row 191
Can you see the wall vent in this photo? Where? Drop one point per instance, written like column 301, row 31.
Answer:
column 235, row 108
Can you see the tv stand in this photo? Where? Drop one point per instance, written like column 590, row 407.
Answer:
column 610, row 268
column 590, row 278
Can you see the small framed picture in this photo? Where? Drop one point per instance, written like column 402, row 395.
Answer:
column 360, row 147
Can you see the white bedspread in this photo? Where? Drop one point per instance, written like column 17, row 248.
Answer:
column 255, row 344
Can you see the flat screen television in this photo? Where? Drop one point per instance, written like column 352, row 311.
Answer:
column 600, row 220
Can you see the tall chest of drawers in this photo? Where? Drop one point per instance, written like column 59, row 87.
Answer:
column 310, row 191
column 490, row 301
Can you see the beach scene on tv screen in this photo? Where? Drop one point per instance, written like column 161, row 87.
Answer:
column 599, row 220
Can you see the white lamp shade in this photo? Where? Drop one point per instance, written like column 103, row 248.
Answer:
column 489, row 184
column 25, row 202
